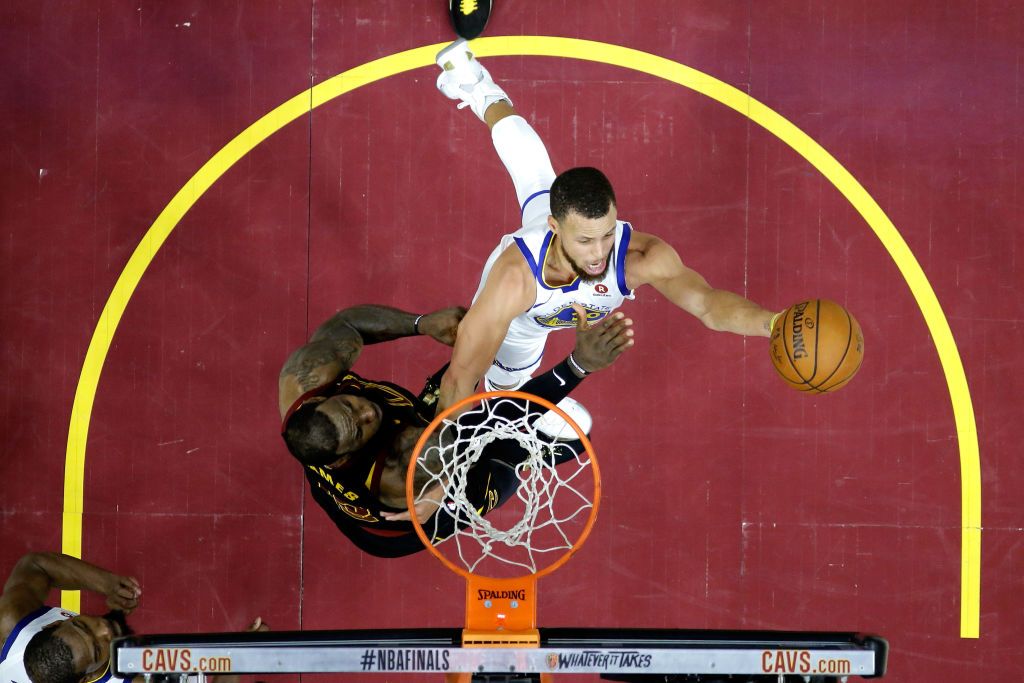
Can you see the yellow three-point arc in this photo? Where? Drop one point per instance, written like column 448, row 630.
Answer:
column 963, row 411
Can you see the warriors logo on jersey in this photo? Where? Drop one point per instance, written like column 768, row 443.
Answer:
column 522, row 349
column 566, row 316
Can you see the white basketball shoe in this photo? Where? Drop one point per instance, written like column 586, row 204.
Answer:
column 464, row 78
column 552, row 424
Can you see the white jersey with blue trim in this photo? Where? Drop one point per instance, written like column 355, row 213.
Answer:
column 12, row 656
column 552, row 308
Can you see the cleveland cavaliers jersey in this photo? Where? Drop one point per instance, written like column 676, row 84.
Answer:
column 552, row 307
column 12, row 657
column 350, row 493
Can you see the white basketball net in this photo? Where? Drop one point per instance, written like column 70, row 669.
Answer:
column 548, row 508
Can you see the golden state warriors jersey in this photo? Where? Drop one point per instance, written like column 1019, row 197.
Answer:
column 552, row 308
column 12, row 663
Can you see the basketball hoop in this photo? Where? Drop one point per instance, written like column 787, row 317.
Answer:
column 502, row 546
column 501, row 641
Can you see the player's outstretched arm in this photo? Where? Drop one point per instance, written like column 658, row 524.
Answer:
column 509, row 291
column 652, row 261
column 374, row 324
column 337, row 343
column 36, row 574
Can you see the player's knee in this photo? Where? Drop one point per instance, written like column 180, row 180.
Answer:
column 504, row 383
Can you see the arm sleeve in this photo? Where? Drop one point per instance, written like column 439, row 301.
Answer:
column 553, row 385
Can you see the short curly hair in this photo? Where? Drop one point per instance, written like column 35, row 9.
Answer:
column 584, row 190
column 48, row 659
column 311, row 436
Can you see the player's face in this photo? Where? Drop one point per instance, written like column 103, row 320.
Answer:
column 586, row 243
column 89, row 639
column 357, row 419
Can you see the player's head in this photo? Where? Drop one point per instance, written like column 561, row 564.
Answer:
column 323, row 430
column 583, row 216
column 73, row 650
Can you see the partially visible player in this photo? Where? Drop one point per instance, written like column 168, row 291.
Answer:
column 41, row 644
column 572, row 251
column 50, row 645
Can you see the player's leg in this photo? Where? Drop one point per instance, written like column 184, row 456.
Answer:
column 495, row 479
column 511, row 454
column 384, row 546
column 528, row 164
column 516, row 142
column 514, row 364
column 378, row 545
column 464, row 78
column 487, row 485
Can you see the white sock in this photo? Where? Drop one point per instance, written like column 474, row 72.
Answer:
column 490, row 386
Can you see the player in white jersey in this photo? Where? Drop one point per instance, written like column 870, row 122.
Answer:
column 572, row 249
column 49, row 645
column 40, row 644
column 552, row 307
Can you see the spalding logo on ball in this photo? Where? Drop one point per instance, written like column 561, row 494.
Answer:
column 817, row 346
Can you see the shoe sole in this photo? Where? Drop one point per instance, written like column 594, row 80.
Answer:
column 442, row 56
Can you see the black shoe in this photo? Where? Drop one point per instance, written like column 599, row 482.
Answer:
column 469, row 16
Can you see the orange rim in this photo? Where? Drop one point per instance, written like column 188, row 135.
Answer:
column 410, row 496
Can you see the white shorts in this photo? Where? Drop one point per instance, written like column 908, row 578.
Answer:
column 516, row 362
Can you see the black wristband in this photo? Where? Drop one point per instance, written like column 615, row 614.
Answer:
column 416, row 324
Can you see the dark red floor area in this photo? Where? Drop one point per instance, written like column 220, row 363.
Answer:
column 730, row 500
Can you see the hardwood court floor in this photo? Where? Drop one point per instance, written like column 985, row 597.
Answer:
column 730, row 501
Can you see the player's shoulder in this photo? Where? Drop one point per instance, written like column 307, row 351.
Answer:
column 647, row 257
column 638, row 241
column 17, row 602
column 642, row 245
column 510, row 280
column 512, row 266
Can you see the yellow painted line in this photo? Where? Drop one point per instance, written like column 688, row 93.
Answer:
column 815, row 154
column 145, row 252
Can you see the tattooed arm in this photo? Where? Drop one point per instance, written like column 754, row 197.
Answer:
column 336, row 344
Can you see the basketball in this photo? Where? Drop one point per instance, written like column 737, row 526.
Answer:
column 817, row 346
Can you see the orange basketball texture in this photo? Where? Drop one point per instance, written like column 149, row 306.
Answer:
column 817, row 346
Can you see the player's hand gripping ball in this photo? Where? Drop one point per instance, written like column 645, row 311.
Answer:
column 817, row 346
